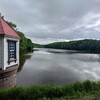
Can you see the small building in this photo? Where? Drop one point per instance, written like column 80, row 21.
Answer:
column 9, row 46
column 9, row 53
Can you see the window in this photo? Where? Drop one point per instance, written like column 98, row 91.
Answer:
column 11, row 51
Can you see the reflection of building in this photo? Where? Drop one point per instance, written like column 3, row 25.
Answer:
column 9, row 54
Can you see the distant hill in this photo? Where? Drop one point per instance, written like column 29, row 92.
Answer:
column 38, row 45
column 87, row 45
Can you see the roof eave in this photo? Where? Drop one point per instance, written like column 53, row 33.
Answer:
column 10, row 36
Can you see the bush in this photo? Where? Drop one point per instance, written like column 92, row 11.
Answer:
column 49, row 91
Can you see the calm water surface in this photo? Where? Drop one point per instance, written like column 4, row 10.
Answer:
column 57, row 66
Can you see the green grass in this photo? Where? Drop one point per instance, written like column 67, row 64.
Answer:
column 87, row 90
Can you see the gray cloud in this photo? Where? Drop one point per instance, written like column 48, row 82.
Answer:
column 54, row 19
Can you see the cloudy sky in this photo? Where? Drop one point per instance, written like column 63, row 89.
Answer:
column 54, row 20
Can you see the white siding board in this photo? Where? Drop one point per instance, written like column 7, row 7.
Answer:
column 1, row 52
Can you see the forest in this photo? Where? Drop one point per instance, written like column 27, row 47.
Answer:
column 87, row 45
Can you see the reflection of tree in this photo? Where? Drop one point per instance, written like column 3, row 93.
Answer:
column 21, row 61
column 23, row 58
column 28, row 56
column 99, row 57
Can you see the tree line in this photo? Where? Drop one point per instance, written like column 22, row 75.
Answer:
column 87, row 45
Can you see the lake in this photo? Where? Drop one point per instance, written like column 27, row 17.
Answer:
column 57, row 66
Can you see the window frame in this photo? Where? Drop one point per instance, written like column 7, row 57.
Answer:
column 15, row 54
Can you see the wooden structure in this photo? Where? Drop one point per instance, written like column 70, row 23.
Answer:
column 9, row 54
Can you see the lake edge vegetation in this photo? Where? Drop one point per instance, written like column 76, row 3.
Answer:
column 86, row 45
column 75, row 91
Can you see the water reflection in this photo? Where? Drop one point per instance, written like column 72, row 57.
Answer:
column 43, row 66
column 23, row 58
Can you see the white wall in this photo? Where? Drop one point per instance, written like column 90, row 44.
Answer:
column 1, row 52
column 6, row 53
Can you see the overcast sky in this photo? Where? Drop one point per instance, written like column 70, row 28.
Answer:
column 54, row 20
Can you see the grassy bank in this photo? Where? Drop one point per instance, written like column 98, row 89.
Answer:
column 78, row 91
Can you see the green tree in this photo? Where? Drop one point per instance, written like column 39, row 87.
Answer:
column 26, row 44
column 13, row 25
column 87, row 45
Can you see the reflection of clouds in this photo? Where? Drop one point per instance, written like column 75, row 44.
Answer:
column 44, row 67
column 86, row 70
column 55, row 74
column 85, row 57
column 91, row 73
column 41, row 52
column 58, row 74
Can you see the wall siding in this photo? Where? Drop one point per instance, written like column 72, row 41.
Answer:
column 1, row 52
